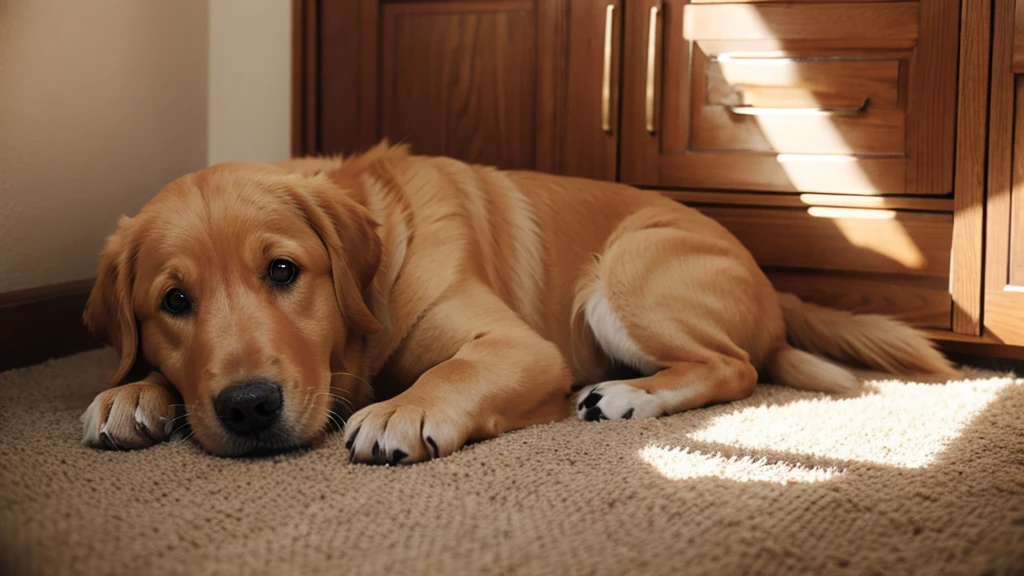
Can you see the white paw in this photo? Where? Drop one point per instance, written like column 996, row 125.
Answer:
column 617, row 401
column 128, row 417
column 399, row 432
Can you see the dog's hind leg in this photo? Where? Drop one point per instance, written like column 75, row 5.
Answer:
column 681, row 386
column 678, row 299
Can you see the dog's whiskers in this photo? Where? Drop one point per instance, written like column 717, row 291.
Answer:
column 336, row 397
column 180, row 416
column 363, row 380
column 336, row 419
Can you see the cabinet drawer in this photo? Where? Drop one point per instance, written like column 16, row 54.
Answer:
column 891, row 262
column 922, row 302
column 843, row 239
column 799, row 106
column 847, row 97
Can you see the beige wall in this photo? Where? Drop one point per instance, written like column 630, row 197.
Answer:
column 102, row 102
column 250, row 80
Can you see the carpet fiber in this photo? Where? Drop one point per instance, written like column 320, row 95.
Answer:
column 922, row 478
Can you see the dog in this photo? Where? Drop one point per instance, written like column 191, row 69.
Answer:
column 418, row 303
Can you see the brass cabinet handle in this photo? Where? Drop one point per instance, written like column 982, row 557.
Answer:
column 758, row 111
column 606, row 84
column 652, row 50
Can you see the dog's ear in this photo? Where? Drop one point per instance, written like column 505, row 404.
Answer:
column 349, row 232
column 109, row 313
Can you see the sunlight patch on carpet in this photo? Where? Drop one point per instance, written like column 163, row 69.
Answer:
column 894, row 423
column 686, row 464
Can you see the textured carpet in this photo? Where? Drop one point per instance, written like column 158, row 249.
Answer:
column 905, row 478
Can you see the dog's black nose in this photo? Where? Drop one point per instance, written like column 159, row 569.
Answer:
column 249, row 407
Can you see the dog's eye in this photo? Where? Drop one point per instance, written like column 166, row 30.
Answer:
column 176, row 301
column 282, row 271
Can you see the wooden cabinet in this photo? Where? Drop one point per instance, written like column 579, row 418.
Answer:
column 1004, row 258
column 464, row 79
column 768, row 96
column 868, row 153
column 519, row 84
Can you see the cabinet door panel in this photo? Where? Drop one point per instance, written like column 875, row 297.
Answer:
column 459, row 79
column 1004, row 294
column 770, row 86
column 590, row 132
column 1003, row 304
column 516, row 84
column 476, row 80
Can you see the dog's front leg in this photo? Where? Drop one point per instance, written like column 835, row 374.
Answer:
column 503, row 376
column 132, row 416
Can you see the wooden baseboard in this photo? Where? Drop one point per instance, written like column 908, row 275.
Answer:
column 985, row 346
column 42, row 323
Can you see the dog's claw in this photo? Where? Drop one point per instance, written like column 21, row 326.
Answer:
column 351, row 440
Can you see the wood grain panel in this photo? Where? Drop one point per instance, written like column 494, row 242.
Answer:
column 1018, row 38
column 875, row 132
column 879, row 48
column 1000, row 149
column 693, row 197
column 932, row 108
column 913, row 243
column 923, row 302
column 968, row 232
column 552, row 45
column 346, row 60
column 1004, row 316
column 788, row 173
column 459, row 79
column 778, row 82
column 747, row 22
column 638, row 148
column 589, row 151
column 1004, row 250
column 1016, row 253
column 713, row 127
column 907, row 131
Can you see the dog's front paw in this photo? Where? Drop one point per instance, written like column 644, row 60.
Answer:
column 617, row 401
column 128, row 417
column 399, row 432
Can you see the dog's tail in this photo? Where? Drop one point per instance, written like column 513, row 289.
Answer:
column 859, row 340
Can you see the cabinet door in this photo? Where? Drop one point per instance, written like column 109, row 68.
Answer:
column 1004, row 258
column 852, row 98
column 518, row 84
column 472, row 80
column 589, row 113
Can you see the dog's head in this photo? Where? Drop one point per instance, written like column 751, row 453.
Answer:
column 240, row 284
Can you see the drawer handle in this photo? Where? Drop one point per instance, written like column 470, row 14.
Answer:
column 606, row 83
column 652, row 49
column 758, row 111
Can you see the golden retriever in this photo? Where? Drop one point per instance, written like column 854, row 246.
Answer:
column 429, row 302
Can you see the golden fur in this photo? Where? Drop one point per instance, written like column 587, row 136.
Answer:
column 439, row 302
